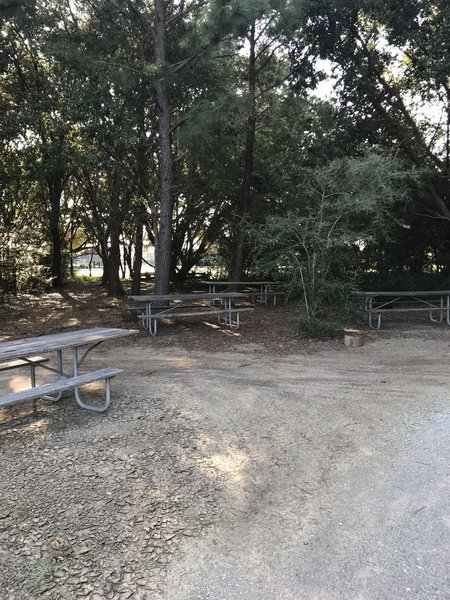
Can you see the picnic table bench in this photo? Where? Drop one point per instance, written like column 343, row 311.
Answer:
column 173, row 306
column 379, row 303
column 259, row 291
column 28, row 353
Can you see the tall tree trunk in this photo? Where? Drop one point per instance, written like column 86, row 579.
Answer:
column 163, row 228
column 143, row 169
column 55, row 187
column 72, row 270
column 244, row 198
column 103, row 252
column 128, row 259
column 137, row 263
column 114, row 285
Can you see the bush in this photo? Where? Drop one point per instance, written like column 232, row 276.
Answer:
column 317, row 328
column 315, row 249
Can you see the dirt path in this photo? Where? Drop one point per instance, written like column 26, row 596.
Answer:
column 238, row 475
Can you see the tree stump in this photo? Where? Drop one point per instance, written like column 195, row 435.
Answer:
column 353, row 340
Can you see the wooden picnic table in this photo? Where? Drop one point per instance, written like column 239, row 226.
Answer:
column 158, row 306
column 432, row 301
column 259, row 290
column 20, row 353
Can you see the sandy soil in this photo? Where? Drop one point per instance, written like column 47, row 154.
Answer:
column 229, row 467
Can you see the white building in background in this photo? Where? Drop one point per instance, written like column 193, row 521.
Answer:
column 90, row 263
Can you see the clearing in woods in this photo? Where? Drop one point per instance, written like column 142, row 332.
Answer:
column 233, row 467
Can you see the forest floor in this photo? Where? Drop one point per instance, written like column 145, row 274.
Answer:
column 86, row 304
column 255, row 464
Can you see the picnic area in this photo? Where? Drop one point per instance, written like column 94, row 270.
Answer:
column 224, row 300
column 229, row 464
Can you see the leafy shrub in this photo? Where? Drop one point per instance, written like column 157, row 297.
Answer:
column 314, row 250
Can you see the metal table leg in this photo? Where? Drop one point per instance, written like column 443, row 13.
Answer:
column 75, row 364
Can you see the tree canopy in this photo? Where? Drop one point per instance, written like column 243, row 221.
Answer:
column 194, row 126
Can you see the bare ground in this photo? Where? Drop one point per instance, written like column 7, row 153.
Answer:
column 254, row 466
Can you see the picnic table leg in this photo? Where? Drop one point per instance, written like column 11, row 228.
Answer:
column 76, row 391
column 59, row 370
column 33, row 384
column 152, row 323
column 369, row 309
column 226, row 303
column 153, row 327
column 440, row 318
column 232, row 324
column 378, row 325
column 223, row 321
column 210, row 291
column 148, row 323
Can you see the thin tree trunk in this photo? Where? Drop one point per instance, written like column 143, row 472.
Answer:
column 163, row 229
column 128, row 248
column 114, row 285
column 55, row 187
column 103, row 252
column 72, row 271
column 137, row 264
column 244, row 198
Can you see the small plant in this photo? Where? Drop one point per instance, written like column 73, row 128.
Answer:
column 86, row 277
column 317, row 328
column 42, row 570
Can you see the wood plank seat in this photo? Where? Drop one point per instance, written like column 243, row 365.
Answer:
column 172, row 315
column 16, row 364
column 394, row 309
column 55, row 387
column 157, row 309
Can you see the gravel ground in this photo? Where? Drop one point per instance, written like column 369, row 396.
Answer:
column 243, row 474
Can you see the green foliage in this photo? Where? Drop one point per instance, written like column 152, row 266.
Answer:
column 315, row 249
column 86, row 277
column 42, row 570
column 396, row 280
column 314, row 327
column 80, row 157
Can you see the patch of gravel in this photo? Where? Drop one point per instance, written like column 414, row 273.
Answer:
column 95, row 506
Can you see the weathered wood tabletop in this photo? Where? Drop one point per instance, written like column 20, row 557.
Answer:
column 188, row 296
column 259, row 290
column 59, row 341
column 239, row 282
column 408, row 293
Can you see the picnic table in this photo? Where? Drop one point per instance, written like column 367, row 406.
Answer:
column 259, row 290
column 158, row 306
column 379, row 303
column 33, row 352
